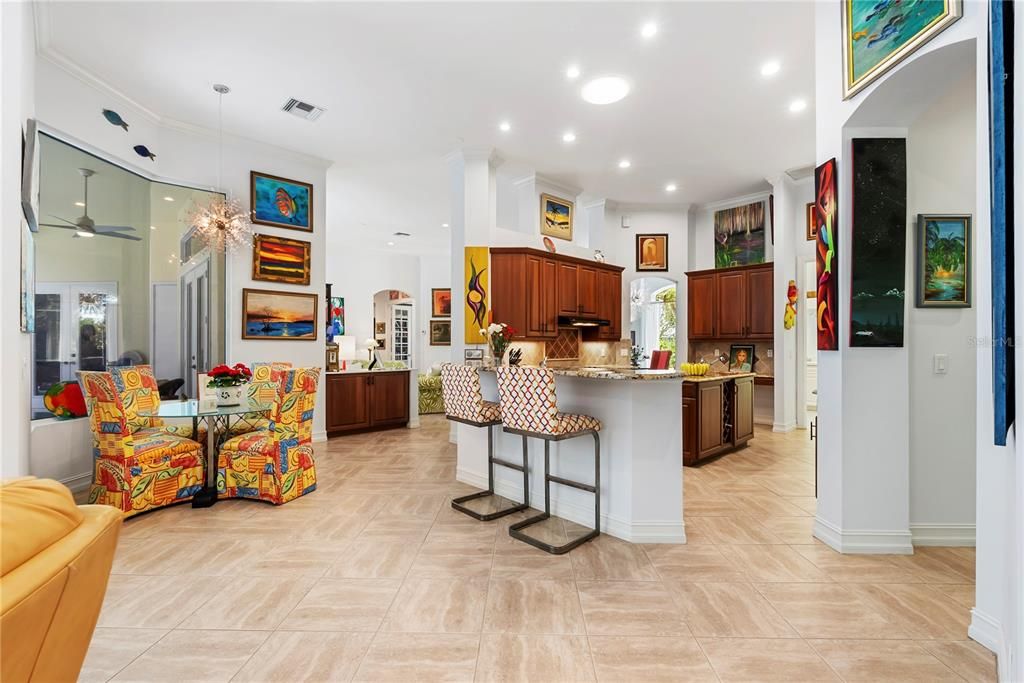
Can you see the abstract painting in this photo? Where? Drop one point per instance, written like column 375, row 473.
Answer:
column 277, row 259
column 556, row 217
column 812, row 227
column 1001, row 134
column 336, row 316
column 739, row 235
column 441, row 303
column 826, row 215
column 943, row 261
column 279, row 315
column 476, row 294
column 652, row 252
column 440, row 332
column 878, row 245
column 878, row 34
column 280, row 202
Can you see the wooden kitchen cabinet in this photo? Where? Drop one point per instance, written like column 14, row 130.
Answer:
column 731, row 303
column 718, row 416
column 366, row 401
column 530, row 289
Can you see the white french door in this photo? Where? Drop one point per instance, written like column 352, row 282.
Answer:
column 195, row 318
column 76, row 329
column 401, row 337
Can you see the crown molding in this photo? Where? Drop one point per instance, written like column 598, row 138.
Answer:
column 46, row 51
column 736, row 201
column 680, row 207
column 557, row 185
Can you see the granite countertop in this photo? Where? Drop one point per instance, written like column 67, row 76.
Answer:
column 364, row 371
column 614, row 373
column 716, row 377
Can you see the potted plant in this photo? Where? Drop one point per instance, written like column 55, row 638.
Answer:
column 499, row 336
column 228, row 381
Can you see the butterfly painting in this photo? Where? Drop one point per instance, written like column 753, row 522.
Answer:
column 281, row 202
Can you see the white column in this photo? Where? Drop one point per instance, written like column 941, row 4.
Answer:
column 785, row 236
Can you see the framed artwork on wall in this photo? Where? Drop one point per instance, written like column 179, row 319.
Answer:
column 441, row 302
column 278, row 259
column 812, row 227
column 280, row 202
column 877, row 36
column 943, row 261
column 741, row 358
column 556, row 217
column 652, row 253
column 476, row 293
column 380, row 328
column 826, row 219
column 268, row 314
column 336, row 315
column 878, row 244
column 440, row 332
column 739, row 235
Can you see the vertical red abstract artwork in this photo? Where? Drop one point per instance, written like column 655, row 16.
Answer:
column 826, row 215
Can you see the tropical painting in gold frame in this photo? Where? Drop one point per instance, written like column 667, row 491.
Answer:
column 556, row 217
column 878, row 34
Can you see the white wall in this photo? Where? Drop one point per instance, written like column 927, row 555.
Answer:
column 940, row 179
column 17, row 103
column 435, row 273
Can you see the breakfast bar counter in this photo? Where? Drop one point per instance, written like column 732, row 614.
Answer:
column 641, row 442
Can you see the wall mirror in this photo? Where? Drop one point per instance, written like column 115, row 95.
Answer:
column 120, row 280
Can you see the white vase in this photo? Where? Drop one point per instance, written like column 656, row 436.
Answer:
column 229, row 396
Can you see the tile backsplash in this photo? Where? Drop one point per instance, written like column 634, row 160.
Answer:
column 763, row 364
column 590, row 353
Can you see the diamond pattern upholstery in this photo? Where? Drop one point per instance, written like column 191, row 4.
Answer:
column 460, row 388
column 528, row 403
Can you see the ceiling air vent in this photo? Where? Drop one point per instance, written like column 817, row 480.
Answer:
column 304, row 110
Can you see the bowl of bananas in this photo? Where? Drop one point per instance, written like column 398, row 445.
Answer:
column 695, row 369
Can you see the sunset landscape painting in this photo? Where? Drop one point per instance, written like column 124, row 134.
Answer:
column 277, row 259
column 278, row 315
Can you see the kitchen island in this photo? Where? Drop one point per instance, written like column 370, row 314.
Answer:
column 641, row 438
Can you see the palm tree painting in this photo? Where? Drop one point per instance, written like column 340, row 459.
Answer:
column 944, row 261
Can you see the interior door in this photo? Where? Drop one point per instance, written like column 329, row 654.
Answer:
column 401, row 319
column 195, row 329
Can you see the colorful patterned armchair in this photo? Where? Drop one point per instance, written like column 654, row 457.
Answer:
column 266, row 378
column 137, row 467
column 275, row 464
column 139, row 393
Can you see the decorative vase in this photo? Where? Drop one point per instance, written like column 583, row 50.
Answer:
column 229, row 396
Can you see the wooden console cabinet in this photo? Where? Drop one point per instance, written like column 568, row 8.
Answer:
column 530, row 289
column 731, row 303
column 718, row 416
column 367, row 401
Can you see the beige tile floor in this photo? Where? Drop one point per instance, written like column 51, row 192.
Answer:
column 375, row 578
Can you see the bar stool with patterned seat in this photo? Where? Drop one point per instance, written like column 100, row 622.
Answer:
column 529, row 408
column 464, row 403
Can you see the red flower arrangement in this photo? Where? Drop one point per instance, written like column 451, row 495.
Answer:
column 224, row 376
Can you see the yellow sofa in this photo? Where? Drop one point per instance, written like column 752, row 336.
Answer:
column 55, row 560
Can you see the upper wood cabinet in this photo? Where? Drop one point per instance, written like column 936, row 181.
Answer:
column 731, row 303
column 531, row 288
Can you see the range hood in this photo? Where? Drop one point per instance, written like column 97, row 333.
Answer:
column 581, row 321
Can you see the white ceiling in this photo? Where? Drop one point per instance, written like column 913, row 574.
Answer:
column 406, row 83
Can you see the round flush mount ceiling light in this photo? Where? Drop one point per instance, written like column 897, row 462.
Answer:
column 444, row 225
column 573, row 72
column 79, row 203
column 391, row 244
column 504, row 126
column 649, row 30
column 797, row 106
column 168, row 199
column 568, row 136
column 625, row 163
column 770, row 68
column 671, row 187
column 605, row 90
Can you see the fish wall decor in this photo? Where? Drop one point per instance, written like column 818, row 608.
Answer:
column 114, row 119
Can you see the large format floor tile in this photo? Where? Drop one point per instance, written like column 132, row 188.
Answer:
column 402, row 657
column 511, row 657
column 185, row 656
column 626, row 658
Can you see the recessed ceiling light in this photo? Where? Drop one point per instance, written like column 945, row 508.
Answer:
column 391, row 244
column 152, row 227
column 770, row 68
column 504, row 126
column 605, row 90
column 79, row 203
column 625, row 163
column 797, row 106
column 168, row 199
column 568, row 136
column 649, row 30
column 444, row 225
column 671, row 187
column 572, row 72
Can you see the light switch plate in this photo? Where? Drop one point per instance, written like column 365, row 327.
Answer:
column 940, row 364
column 771, row 352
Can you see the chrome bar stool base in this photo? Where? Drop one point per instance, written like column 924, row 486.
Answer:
column 516, row 530
column 460, row 503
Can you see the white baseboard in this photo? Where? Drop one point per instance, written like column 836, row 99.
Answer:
column 320, row 437
column 864, row 542
column 988, row 633
column 943, row 534
column 78, row 482
column 783, row 426
column 635, row 532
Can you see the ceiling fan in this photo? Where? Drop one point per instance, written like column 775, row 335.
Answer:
column 85, row 226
